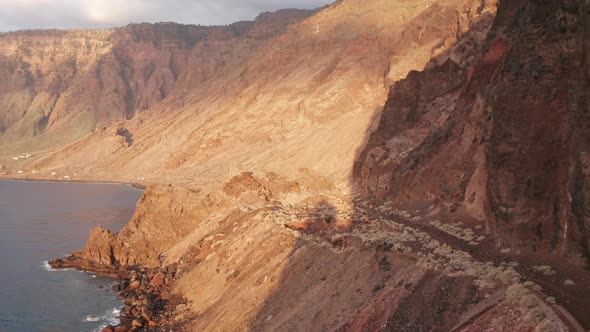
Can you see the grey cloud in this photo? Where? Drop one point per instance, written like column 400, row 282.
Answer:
column 44, row 14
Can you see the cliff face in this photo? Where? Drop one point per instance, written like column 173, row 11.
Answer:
column 500, row 137
column 37, row 69
column 58, row 86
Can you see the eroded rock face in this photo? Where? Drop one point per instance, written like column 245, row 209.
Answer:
column 164, row 216
column 305, row 98
column 237, row 255
column 58, row 86
column 500, row 135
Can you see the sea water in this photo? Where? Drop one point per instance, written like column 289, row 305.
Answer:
column 40, row 221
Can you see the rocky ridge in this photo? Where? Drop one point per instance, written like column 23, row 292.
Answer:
column 304, row 99
column 256, row 262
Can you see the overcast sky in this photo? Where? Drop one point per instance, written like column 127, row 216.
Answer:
column 44, row 14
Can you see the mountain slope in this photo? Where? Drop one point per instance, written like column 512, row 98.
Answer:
column 61, row 85
column 304, row 100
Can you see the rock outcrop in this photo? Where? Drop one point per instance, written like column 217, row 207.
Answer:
column 240, row 264
column 496, row 130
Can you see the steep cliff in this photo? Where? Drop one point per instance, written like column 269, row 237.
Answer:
column 501, row 137
column 59, row 86
column 244, row 260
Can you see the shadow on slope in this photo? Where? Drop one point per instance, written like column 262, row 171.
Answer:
column 497, row 141
column 344, row 275
column 471, row 140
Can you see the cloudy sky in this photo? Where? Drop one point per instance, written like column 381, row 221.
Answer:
column 43, row 14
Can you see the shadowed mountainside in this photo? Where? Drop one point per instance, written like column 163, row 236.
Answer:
column 502, row 140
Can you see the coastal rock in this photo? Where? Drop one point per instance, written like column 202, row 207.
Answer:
column 126, row 309
column 135, row 284
column 165, row 295
column 136, row 312
column 120, row 328
column 147, row 314
column 158, row 280
column 143, row 303
column 137, row 323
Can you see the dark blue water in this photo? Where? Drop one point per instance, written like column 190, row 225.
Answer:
column 40, row 221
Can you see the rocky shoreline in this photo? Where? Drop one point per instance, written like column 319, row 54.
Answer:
column 147, row 299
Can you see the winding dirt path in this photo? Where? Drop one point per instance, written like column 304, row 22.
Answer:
column 574, row 298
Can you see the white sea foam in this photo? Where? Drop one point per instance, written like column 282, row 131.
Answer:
column 108, row 318
column 47, row 267
column 91, row 318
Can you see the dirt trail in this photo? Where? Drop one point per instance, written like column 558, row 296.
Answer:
column 575, row 298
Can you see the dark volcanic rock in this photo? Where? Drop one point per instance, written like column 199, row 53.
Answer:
column 146, row 296
column 142, row 292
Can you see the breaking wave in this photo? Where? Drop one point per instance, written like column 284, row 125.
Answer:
column 47, row 267
column 108, row 318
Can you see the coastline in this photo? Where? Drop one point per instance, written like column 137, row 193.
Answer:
column 45, row 221
column 147, row 301
column 134, row 185
column 152, row 308
column 147, row 307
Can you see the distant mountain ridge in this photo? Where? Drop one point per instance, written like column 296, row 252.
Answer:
column 59, row 85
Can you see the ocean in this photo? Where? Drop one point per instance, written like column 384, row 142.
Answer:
column 40, row 221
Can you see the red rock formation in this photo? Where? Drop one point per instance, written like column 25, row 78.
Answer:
column 500, row 134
